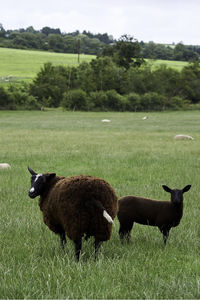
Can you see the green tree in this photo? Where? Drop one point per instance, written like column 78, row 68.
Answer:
column 55, row 42
column 181, row 52
column 51, row 83
column 138, row 80
column 166, row 81
column 48, row 30
column 100, row 74
column 157, row 51
column 190, row 82
column 69, row 43
column 125, row 52
column 2, row 31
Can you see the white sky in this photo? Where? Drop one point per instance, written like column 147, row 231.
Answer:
column 161, row 21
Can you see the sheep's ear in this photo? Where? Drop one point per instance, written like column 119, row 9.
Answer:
column 50, row 176
column 186, row 188
column 31, row 171
column 166, row 188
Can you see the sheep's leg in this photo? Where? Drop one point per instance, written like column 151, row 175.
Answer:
column 125, row 232
column 97, row 245
column 78, row 246
column 62, row 239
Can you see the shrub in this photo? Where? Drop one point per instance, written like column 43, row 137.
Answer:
column 153, row 101
column 98, row 101
column 19, row 94
column 75, row 100
column 134, row 102
column 176, row 103
column 6, row 102
column 116, row 101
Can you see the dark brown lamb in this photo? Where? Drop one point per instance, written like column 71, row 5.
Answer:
column 163, row 214
column 75, row 206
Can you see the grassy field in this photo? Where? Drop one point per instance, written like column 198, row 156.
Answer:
column 177, row 65
column 17, row 65
column 135, row 157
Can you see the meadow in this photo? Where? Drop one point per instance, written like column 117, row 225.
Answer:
column 175, row 64
column 135, row 156
column 22, row 65
column 17, row 64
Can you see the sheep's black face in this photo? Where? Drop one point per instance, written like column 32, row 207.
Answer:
column 37, row 185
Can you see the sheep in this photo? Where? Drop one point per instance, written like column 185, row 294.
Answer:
column 4, row 166
column 105, row 121
column 183, row 137
column 75, row 206
column 163, row 214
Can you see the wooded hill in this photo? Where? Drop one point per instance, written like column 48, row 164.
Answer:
column 50, row 39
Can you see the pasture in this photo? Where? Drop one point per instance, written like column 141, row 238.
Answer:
column 136, row 157
column 175, row 64
column 22, row 65
column 16, row 64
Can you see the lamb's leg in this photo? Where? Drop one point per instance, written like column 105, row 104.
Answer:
column 125, row 232
column 97, row 245
column 165, row 232
column 165, row 236
column 62, row 239
column 78, row 246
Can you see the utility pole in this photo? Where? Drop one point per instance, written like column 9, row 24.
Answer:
column 78, row 48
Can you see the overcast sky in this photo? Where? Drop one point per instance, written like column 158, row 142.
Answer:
column 161, row 21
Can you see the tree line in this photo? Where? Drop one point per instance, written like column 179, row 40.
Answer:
column 50, row 39
column 104, row 85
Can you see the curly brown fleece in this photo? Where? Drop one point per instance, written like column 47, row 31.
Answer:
column 66, row 206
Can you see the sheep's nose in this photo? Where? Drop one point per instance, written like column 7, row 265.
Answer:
column 32, row 193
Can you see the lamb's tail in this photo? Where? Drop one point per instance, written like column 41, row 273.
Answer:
column 98, row 205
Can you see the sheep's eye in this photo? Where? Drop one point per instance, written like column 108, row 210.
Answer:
column 32, row 179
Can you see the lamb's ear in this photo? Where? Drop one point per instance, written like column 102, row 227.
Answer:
column 186, row 188
column 166, row 188
column 31, row 171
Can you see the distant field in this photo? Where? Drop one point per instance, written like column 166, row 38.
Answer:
column 178, row 65
column 16, row 64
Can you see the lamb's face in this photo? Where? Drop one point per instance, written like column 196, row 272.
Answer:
column 37, row 185
column 176, row 195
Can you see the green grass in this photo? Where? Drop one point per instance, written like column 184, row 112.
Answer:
column 135, row 157
column 16, row 64
column 177, row 65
